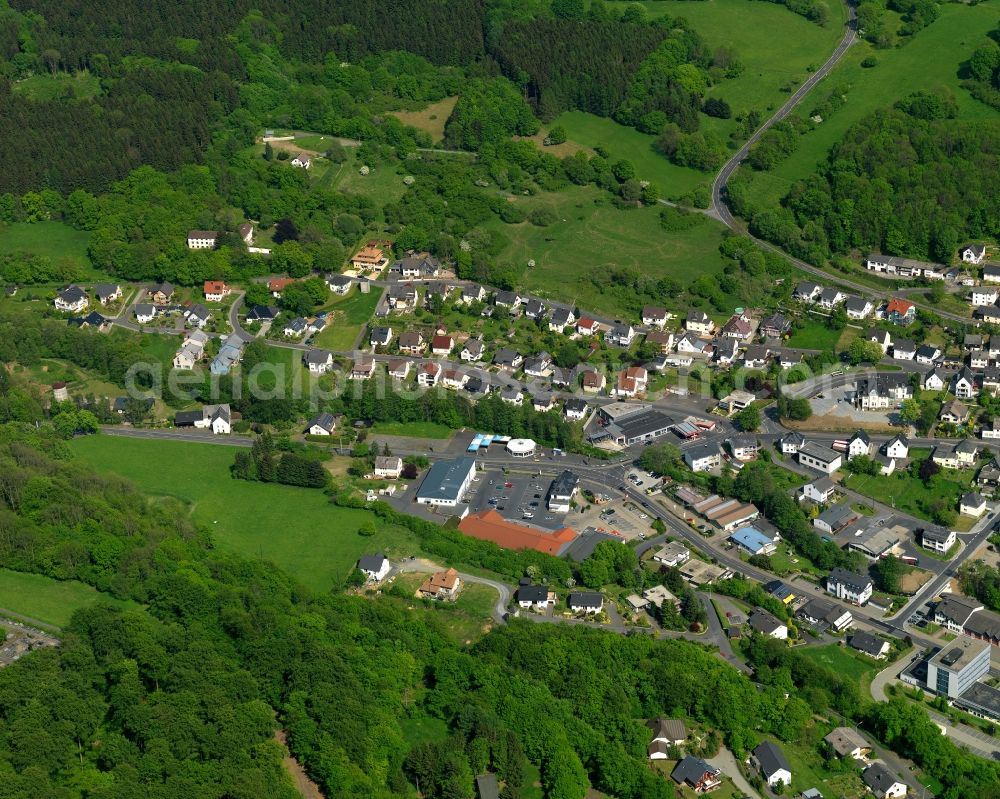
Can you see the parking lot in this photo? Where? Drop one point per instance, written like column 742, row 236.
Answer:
column 519, row 498
column 620, row 515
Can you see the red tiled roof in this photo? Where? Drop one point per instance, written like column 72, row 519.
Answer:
column 215, row 286
column 489, row 525
column 442, row 343
column 897, row 305
column 279, row 283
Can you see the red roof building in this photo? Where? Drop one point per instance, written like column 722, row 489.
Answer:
column 488, row 525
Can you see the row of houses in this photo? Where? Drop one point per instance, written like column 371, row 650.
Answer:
column 75, row 299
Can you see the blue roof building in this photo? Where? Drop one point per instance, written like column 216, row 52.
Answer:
column 446, row 482
column 753, row 541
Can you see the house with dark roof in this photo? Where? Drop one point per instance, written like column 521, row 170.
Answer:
column 696, row 774
column 770, row 761
column 882, row 782
column 848, row 742
column 869, row 644
column 535, row 596
column 585, row 601
column 322, row 424
column 374, row 567
column 72, row 299
column 766, row 623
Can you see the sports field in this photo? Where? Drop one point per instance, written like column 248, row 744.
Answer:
column 930, row 62
column 592, row 236
column 48, row 600
column 296, row 528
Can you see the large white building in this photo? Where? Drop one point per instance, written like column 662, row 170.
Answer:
column 446, row 482
column 849, row 586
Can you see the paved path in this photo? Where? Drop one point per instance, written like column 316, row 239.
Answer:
column 726, row 762
column 44, row 626
column 177, row 435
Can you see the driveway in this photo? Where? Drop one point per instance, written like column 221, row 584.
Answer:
column 726, row 762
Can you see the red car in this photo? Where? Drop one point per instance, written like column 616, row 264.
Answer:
column 508, row 485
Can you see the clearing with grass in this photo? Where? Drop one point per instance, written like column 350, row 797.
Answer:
column 430, row 119
column 347, row 317
column 46, row 599
column 296, row 528
column 52, row 240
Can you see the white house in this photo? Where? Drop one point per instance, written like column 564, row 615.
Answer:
column 934, row 380
column 202, row 239
column 972, row 504
column 973, row 253
column 145, row 313
column 301, row 160
column 319, row 361
column 819, row 491
column 217, row 418
column 472, row 350
column 654, row 316
column 859, row 444
column 699, row 322
column 882, row 782
column 849, row 586
column 322, row 424
column 388, row 467
column 937, row 538
column 984, row 295
column 72, row 299
column 897, row 447
column 585, row 602
column 770, row 761
column 819, row 457
column 375, row 567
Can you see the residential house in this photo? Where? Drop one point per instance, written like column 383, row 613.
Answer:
column 585, row 602
column 107, row 292
column 399, row 368
column 318, row 361
column 442, row 345
column 661, row 340
column 561, row 318
column 965, row 385
column 197, row 316
column 990, row 314
column 412, row 342
column 215, row 290
column 849, row 586
column 698, row 322
column 538, row 365
column 883, row 390
column 770, row 761
column 972, row 504
column 593, row 381
column 754, row 542
column 418, row 265
column 736, row 400
column 954, row 412
column 575, row 409
column 72, row 299
column 807, row 291
column 739, row 327
column 859, row 444
column 534, row 309
column 363, row 369
column 380, row 336
column 441, row 585
column 928, row 354
column 401, row 297
column 144, row 314
column 988, row 479
column 388, row 467
column 202, row 239
column 955, row 611
column 472, row 350
column 744, row 448
column 858, row 307
column 245, row 232
column 507, row 299
column 899, row 311
column 690, row 343
column 765, row 623
column 512, row 395
column 216, row 418
column 830, row 298
column 882, row 782
column 903, row 349
column 991, row 430
column 654, row 316
column 775, row 326
column 944, row 456
column 93, row 319
column 703, row 457
column 472, row 292
column 791, row 442
column 938, row 539
column 276, row 285
column 756, row 356
column 819, row 491
column 375, row 567
column 984, row 295
column 296, row 327
column 161, row 293
column 672, row 554
column 454, row 379
column 429, row 373
column 670, row 732
column 896, row 447
column 973, row 253
column 819, row 457
column 507, row 359
column 535, row 597
column 696, row 774
column 262, row 313
column 725, row 350
column 880, row 337
column 835, row 518
column 339, row 284
column 820, row 611
column 934, row 380
column 322, row 424
column 620, row 335
column 632, row 381
column 543, row 401
column 848, row 742
column 302, row 161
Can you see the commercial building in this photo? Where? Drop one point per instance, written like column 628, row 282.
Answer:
column 491, row 526
column 753, row 541
column 957, row 666
column 822, row 459
column 629, row 424
column 446, row 482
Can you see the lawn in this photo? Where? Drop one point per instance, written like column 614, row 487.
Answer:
column 348, row 316
column 431, row 119
column 52, row 240
column 573, row 256
column 809, row 771
column 814, row 335
column 929, row 62
column 413, row 429
column 842, row 661
column 48, row 600
column 44, row 87
column 905, row 491
column 296, row 528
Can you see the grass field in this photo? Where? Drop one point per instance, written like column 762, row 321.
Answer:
column 414, row 429
column 48, row 600
column 348, row 316
column 296, row 528
column 814, row 335
column 589, row 131
column 430, row 119
column 591, row 236
column 929, row 62
column 53, row 87
column 52, row 240
column 905, row 491
column 842, row 661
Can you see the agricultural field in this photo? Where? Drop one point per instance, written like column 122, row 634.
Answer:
column 411, row 429
column 52, row 240
column 929, row 62
column 431, row 119
column 296, row 528
column 81, row 85
column 348, row 316
column 592, row 237
column 46, row 599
